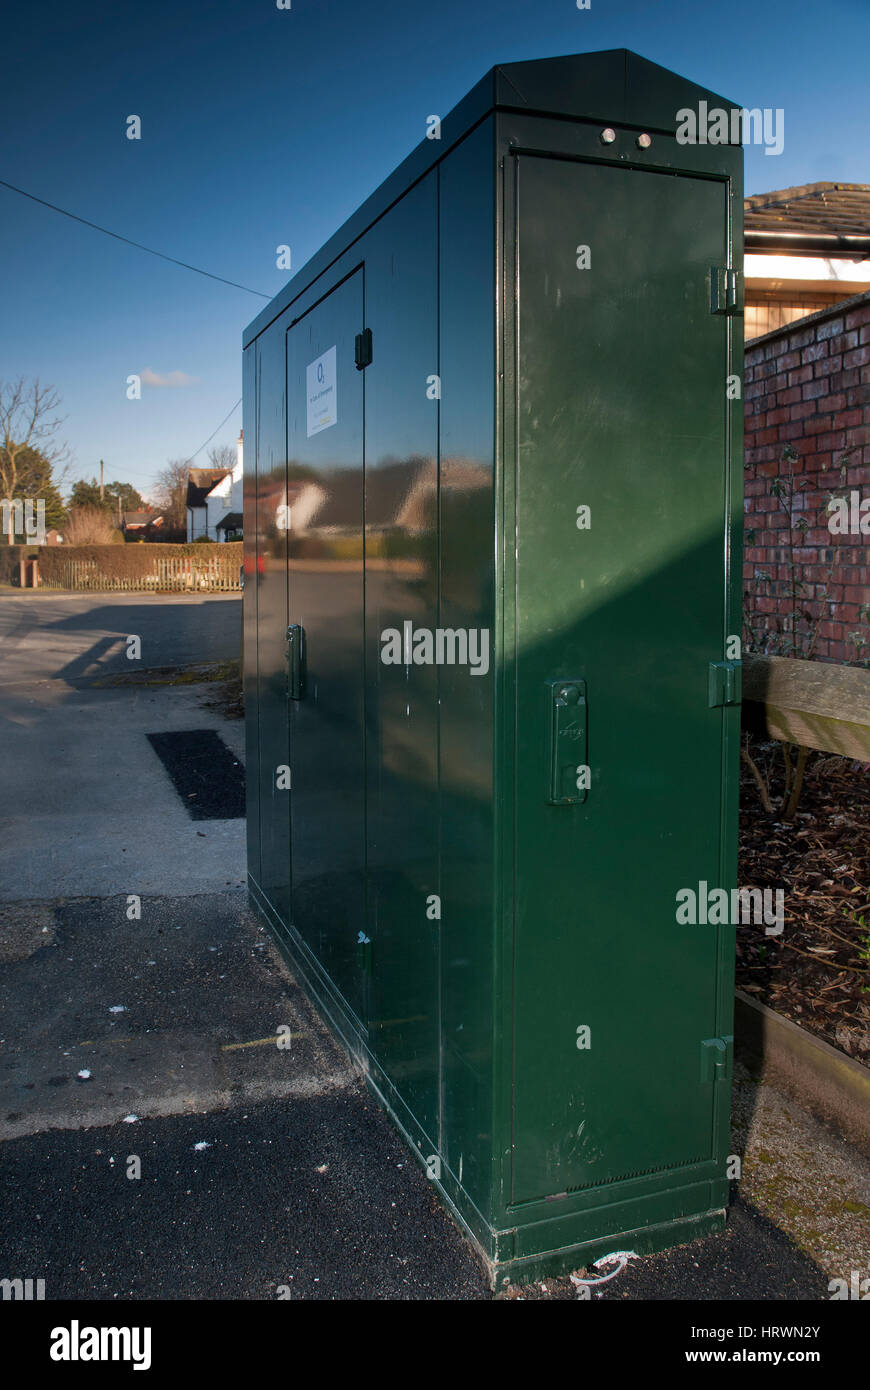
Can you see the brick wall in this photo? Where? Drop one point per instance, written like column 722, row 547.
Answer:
column 807, row 385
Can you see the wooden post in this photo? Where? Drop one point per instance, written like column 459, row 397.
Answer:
column 814, row 704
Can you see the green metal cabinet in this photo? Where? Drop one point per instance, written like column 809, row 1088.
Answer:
column 492, row 520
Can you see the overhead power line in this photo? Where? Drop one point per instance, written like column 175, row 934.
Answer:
column 138, row 471
column 139, row 247
column 214, row 432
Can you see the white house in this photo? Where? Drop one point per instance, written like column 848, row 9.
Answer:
column 214, row 501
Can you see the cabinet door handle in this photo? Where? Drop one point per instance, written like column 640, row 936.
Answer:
column 295, row 661
column 566, row 742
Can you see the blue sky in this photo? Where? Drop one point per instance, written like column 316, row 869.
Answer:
column 262, row 127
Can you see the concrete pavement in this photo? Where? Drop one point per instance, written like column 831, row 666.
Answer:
column 88, row 808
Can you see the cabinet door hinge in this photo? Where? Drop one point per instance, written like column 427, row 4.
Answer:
column 726, row 290
column 363, row 349
column 716, row 1058
column 724, row 683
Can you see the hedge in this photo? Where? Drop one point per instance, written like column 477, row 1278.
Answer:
column 153, row 567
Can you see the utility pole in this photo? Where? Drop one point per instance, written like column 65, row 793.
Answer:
column 101, row 480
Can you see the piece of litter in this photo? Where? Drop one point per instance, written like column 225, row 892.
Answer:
column 131, row 1119
column 618, row 1257
column 118, row 1009
column 322, row 1169
column 84, row 1075
column 203, row 1144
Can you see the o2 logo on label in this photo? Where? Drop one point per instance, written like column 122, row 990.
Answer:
column 321, row 393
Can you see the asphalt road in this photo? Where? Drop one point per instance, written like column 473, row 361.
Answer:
column 260, row 1167
column 71, row 637
column 317, row 1196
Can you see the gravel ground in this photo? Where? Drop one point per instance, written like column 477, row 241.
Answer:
column 812, row 1184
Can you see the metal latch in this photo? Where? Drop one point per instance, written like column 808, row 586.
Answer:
column 566, row 742
column 726, row 290
column 716, row 1056
column 724, row 683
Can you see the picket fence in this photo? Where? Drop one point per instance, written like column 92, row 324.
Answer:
column 209, row 573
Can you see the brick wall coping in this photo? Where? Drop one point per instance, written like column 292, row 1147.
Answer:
column 830, row 311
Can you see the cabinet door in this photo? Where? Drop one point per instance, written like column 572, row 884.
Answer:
column 325, row 543
column 622, row 410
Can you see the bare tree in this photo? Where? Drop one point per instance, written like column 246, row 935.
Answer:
column 28, row 422
column 222, row 456
column 171, row 491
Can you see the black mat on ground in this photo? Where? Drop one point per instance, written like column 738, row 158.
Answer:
column 208, row 779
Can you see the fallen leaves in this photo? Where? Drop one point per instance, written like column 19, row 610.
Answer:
column 818, row 972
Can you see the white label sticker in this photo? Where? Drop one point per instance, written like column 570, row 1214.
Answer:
column 321, row 392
